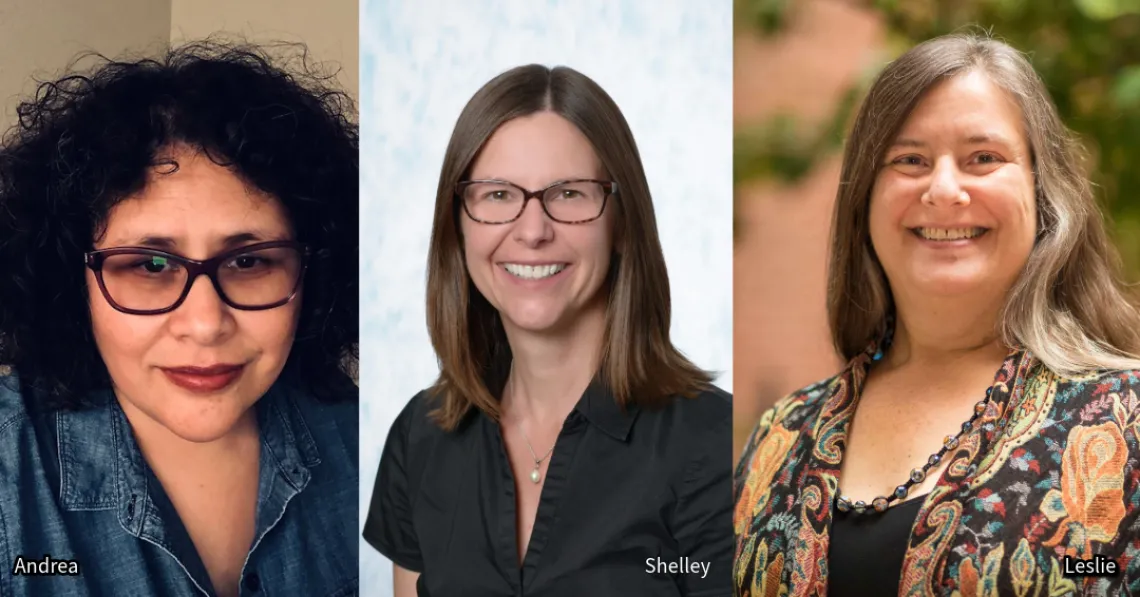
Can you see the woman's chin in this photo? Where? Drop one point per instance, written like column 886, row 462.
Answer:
column 942, row 284
column 535, row 319
column 534, row 325
column 201, row 425
column 204, row 431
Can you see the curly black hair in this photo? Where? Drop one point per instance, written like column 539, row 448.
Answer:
column 89, row 139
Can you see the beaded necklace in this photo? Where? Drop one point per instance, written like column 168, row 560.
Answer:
column 918, row 475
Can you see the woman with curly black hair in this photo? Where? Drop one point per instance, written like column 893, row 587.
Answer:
column 178, row 310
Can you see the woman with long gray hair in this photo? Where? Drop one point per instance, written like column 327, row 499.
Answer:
column 983, row 435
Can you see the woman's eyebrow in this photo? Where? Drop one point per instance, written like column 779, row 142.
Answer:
column 165, row 243
column 907, row 142
column 250, row 236
column 988, row 137
column 971, row 139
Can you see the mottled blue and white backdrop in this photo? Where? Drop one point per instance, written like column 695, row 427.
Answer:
column 667, row 64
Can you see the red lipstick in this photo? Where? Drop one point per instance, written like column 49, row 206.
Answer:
column 204, row 380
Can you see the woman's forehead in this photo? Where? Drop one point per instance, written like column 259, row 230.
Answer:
column 968, row 108
column 199, row 202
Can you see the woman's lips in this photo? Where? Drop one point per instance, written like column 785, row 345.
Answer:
column 204, row 379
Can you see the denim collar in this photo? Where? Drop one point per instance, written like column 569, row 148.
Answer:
column 102, row 468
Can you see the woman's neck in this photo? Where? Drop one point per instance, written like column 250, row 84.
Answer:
column 550, row 371
column 933, row 331
column 940, row 341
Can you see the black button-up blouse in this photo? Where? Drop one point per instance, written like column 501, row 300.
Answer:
column 635, row 503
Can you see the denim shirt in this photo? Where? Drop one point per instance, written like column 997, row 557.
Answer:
column 75, row 487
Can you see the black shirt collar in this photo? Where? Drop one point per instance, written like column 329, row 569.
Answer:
column 601, row 409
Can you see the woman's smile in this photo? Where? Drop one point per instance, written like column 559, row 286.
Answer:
column 539, row 271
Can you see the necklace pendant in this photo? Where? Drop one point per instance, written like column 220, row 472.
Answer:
column 534, row 477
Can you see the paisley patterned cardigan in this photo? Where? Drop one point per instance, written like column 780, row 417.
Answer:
column 1052, row 468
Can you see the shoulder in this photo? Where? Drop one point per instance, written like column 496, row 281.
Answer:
column 794, row 416
column 1098, row 382
column 414, row 428
column 340, row 411
column 416, row 414
column 413, row 441
column 1096, row 396
column 709, row 410
column 1120, row 386
column 23, row 462
column 329, row 425
column 814, row 395
column 803, row 407
column 691, row 432
column 13, row 410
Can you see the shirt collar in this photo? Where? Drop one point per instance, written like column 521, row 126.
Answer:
column 101, row 466
column 602, row 410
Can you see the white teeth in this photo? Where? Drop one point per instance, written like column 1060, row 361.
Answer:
column 949, row 233
column 533, row 272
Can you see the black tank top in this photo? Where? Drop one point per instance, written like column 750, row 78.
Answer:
column 866, row 553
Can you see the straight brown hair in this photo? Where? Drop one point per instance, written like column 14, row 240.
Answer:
column 1068, row 306
column 639, row 364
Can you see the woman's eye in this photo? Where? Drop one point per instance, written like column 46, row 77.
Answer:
column 987, row 158
column 153, row 265
column 908, row 160
column 247, row 262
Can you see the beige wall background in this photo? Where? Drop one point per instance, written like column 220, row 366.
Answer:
column 39, row 38
column 330, row 28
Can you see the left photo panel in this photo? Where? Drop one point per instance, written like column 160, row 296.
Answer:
column 179, row 217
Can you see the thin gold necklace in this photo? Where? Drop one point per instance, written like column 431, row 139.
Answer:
column 534, row 475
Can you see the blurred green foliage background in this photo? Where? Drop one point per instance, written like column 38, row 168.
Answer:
column 1087, row 51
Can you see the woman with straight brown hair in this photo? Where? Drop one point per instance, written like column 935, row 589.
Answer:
column 567, row 447
column 982, row 439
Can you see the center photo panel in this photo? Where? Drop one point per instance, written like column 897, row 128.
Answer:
column 546, row 264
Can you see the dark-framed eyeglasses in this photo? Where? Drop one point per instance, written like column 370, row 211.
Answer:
column 144, row 281
column 567, row 201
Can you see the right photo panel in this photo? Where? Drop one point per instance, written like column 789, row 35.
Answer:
column 937, row 338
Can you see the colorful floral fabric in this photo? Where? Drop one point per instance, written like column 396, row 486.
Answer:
column 1052, row 469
